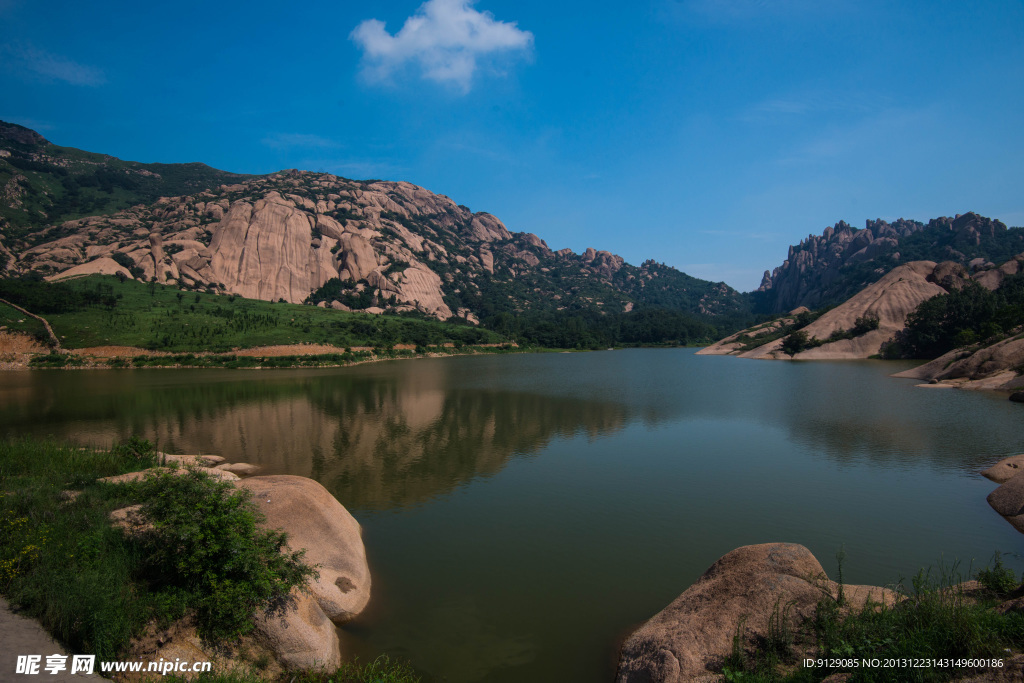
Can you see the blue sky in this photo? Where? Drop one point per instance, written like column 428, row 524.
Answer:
column 706, row 134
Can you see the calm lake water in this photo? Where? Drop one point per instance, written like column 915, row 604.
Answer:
column 523, row 513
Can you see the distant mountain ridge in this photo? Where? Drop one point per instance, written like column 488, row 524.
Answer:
column 827, row 269
column 310, row 237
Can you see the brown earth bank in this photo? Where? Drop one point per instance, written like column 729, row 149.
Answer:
column 17, row 350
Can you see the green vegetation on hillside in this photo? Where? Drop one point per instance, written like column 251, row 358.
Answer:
column 46, row 184
column 103, row 310
column 962, row 317
column 586, row 329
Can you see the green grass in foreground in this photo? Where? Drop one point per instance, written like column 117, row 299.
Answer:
column 937, row 620
column 94, row 588
column 163, row 318
column 60, row 560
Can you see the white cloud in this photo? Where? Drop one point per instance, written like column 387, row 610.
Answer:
column 445, row 39
column 51, row 66
column 812, row 102
column 292, row 140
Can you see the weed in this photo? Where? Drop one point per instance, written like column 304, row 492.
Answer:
column 999, row 579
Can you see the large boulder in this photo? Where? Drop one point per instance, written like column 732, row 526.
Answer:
column 1008, row 500
column 690, row 639
column 316, row 522
column 301, row 636
column 1006, row 469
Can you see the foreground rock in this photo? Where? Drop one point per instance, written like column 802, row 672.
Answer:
column 690, row 639
column 1008, row 500
column 302, row 634
column 301, row 637
column 1006, row 469
column 129, row 477
column 315, row 521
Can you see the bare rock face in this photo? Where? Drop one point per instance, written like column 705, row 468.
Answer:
column 101, row 266
column 487, row 228
column 992, row 278
column 1008, row 499
column 1005, row 469
column 991, row 367
column 950, row 275
column 890, row 299
column 359, row 258
column 812, row 273
column 285, row 235
column 262, row 251
column 690, row 639
column 302, row 637
column 316, row 522
column 422, row 286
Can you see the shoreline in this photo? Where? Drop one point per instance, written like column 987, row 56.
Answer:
column 26, row 350
column 124, row 357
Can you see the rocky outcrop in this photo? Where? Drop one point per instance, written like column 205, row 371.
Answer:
column 101, row 266
column 1008, row 501
column 992, row 277
column 990, row 367
column 889, row 300
column 690, row 639
column 302, row 637
column 828, row 268
column 317, row 523
column 301, row 633
column 1005, row 470
column 371, row 246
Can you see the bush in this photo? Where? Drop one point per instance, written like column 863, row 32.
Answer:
column 208, row 555
column 795, row 343
column 999, row 579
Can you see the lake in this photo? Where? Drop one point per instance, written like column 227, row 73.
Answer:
column 522, row 513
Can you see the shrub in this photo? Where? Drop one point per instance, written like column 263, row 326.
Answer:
column 209, row 557
column 795, row 343
column 998, row 579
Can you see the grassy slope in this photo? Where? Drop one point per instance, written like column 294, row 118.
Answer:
column 163, row 318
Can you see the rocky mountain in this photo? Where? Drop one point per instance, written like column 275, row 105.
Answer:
column 827, row 269
column 309, row 237
column 981, row 319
